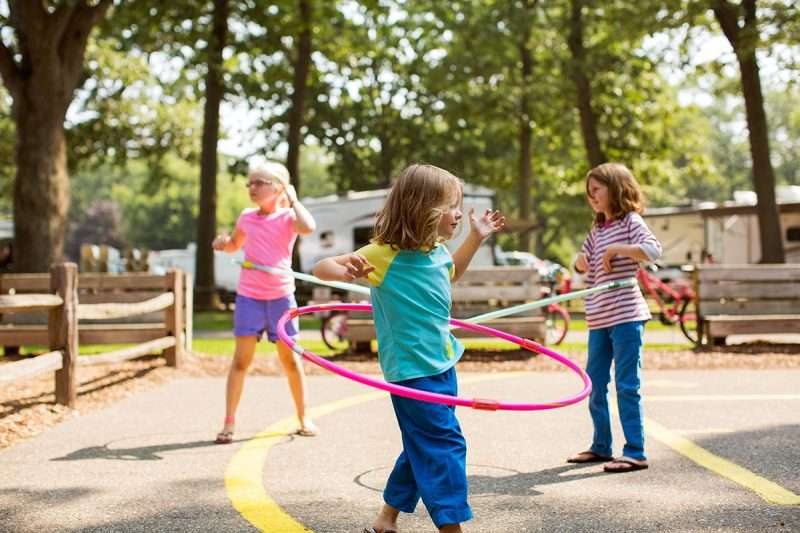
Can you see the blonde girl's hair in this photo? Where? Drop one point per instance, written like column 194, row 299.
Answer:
column 624, row 194
column 416, row 203
column 273, row 169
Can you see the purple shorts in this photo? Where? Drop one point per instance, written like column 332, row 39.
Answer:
column 252, row 317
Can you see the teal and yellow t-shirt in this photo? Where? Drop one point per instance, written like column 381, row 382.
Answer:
column 411, row 296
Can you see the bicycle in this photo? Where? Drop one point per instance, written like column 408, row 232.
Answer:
column 557, row 318
column 677, row 302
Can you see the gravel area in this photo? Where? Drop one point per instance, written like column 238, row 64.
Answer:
column 28, row 407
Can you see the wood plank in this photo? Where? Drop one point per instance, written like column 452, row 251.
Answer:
column 116, row 296
column 16, row 303
column 750, row 290
column 531, row 328
column 488, row 293
column 28, row 368
column 748, row 307
column 129, row 280
column 722, row 326
column 122, row 333
column 748, row 273
column 512, row 274
column 124, row 310
column 62, row 330
column 173, row 317
column 127, row 353
column 24, row 283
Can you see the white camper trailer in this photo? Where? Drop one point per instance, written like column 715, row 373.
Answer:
column 344, row 224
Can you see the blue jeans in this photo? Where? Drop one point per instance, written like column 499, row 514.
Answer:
column 432, row 465
column 621, row 344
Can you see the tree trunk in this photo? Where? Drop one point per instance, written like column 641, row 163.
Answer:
column 206, row 296
column 744, row 40
column 41, row 186
column 769, row 224
column 525, row 137
column 302, row 67
column 41, row 74
column 583, row 88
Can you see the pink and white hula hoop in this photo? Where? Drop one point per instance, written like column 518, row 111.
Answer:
column 475, row 403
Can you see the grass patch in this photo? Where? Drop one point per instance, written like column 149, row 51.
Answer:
column 225, row 347
column 223, row 321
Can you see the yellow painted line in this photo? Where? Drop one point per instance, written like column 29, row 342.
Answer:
column 244, row 475
column 717, row 397
column 769, row 491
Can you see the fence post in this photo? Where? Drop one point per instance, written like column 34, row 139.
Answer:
column 173, row 318
column 63, row 329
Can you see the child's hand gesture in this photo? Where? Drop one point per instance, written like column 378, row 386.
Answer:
column 221, row 241
column 355, row 266
column 290, row 193
column 488, row 223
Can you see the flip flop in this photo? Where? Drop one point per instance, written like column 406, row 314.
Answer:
column 373, row 530
column 224, row 437
column 588, row 456
column 625, row 464
column 307, row 432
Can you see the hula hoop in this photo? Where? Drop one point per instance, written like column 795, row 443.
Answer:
column 415, row 394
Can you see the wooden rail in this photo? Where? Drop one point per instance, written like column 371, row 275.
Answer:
column 107, row 297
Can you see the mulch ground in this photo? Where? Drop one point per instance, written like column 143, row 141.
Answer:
column 28, row 407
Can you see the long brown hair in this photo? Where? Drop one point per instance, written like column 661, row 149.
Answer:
column 410, row 217
column 624, row 193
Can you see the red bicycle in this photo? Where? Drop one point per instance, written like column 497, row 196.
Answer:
column 677, row 302
column 556, row 317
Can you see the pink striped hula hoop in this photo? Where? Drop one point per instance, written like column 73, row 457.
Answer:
column 399, row 390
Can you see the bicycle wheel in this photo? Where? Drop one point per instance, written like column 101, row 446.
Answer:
column 557, row 322
column 334, row 329
column 688, row 321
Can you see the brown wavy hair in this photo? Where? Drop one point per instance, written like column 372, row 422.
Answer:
column 410, row 217
column 624, row 193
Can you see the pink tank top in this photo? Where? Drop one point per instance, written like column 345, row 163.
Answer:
column 269, row 240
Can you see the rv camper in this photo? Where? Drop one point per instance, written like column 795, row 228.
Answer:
column 344, row 224
column 727, row 233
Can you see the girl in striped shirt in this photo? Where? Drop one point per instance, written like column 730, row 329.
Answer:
column 618, row 241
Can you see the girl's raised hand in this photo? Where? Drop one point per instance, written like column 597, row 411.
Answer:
column 488, row 223
column 290, row 193
column 356, row 266
column 221, row 240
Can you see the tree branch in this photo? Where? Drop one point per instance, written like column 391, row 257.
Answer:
column 75, row 35
column 728, row 17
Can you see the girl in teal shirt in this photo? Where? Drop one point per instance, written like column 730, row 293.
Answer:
column 410, row 272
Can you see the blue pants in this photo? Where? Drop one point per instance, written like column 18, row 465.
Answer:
column 623, row 345
column 432, row 465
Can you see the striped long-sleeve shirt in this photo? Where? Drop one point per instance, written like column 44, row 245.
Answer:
column 627, row 304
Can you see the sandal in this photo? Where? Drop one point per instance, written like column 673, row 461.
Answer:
column 307, row 432
column 625, row 464
column 588, row 456
column 224, row 437
column 373, row 530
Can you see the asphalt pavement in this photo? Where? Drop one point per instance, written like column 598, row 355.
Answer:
column 722, row 446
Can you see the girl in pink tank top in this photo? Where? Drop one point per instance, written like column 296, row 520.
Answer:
column 268, row 233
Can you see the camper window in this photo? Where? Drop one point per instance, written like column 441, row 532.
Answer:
column 326, row 239
column 361, row 236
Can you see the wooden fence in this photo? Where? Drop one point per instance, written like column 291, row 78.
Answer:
column 103, row 305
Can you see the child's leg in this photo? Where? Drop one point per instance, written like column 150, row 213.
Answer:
column 627, row 340
column 598, row 367
column 436, row 450
column 293, row 367
column 386, row 519
column 242, row 357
